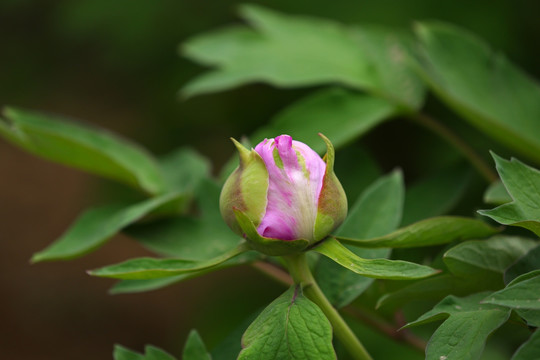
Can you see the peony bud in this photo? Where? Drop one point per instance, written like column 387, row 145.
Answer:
column 283, row 196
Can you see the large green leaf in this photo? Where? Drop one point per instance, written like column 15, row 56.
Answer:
column 530, row 349
column 188, row 237
column 374, row 268
column 94, row 227
column 523, row 185
column 376, row 212
column 288, row 51
column 291, row 327
column 435, row 194
column 94, row 150
column 522, row 293
column 194, row 348
column 485, row 88
column 339, row 114
column 434, row 231
column 468, row 324
column 486, row 259
column 152, row 268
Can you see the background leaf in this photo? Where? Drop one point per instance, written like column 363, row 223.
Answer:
column 463, row 335
column 377, row 211
column 94, row 227
column 435, row 194
column 486, row 89
column 184, row 169
column 523, row 185
column 194, row 348
column 189, row 237
column 486, row 259
column 94, row 150
column 476, row 265
column 339, row 114
column 284, row 330
column 289, row 51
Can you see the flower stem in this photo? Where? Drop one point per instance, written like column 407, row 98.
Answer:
column 301, row 274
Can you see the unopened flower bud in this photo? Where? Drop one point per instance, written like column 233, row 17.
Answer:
column 283, row 196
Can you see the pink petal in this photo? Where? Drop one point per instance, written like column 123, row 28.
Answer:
column 294, row 188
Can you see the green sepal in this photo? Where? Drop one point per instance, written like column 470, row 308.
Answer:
column 268, row 246
column 332, row 208
column 245, row 189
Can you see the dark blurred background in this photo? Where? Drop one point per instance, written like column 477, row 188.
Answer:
column 116, row 64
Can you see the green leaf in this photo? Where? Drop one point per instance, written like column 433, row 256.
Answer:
column 291, row 51
column 463, row 334
column 339, row 114
column 435, row 194
column 434, row 231
column 122, row 353
column 496, row 194
column 375, row 268
column 487, row 259
column 152, row 268
column 184, row 169
column 522, row 293
column 81, row 146
column 377, row 211
column 154, row 353
column 187, row 237
column 528, row 262
column 291, row 327
column 137, row 286
column 194, row 348
column 523, row 185
column 530, row 349
column 486, row 89
column 94, row 227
